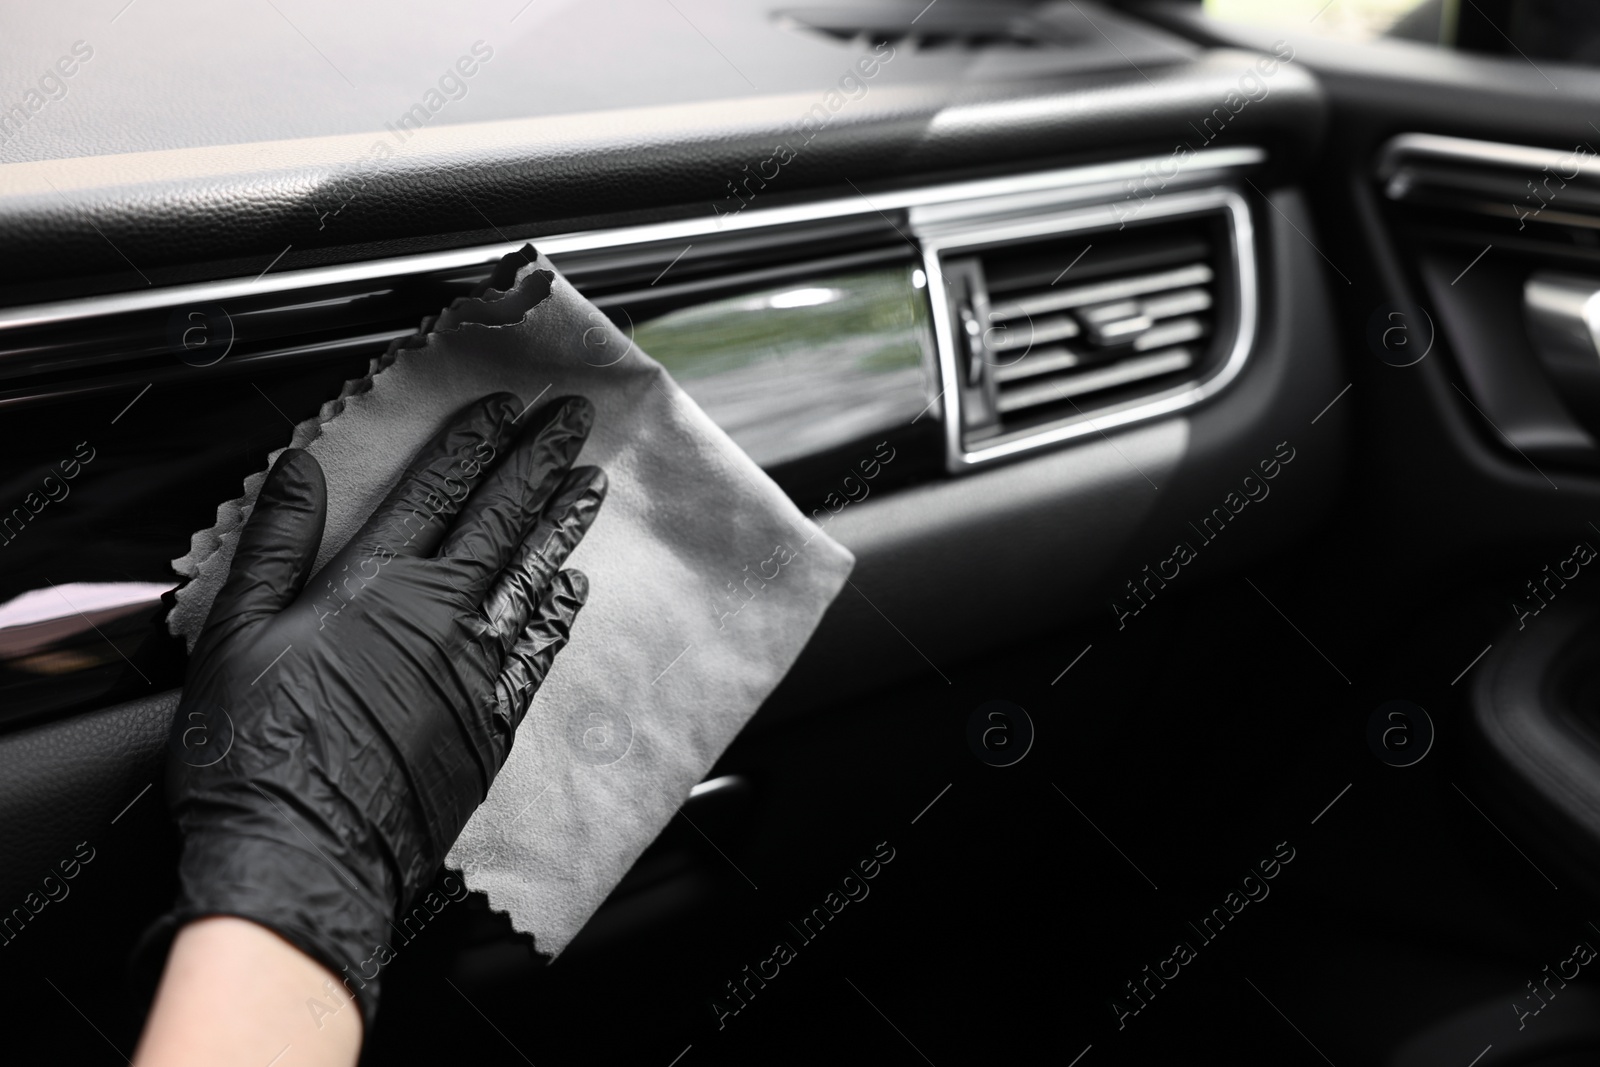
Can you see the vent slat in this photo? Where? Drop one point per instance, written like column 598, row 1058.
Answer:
column 1171, row 332
column 1122, row 372
column 1102, row 292
column 1182, row 302
column 1044, row 331
column 974, row 27
column 1119, row 331
column 1017, row 270
column 1040, row 361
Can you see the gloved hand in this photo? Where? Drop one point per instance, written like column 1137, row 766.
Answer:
column 365, row 714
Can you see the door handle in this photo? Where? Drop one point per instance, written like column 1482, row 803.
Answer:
column 1562, row 313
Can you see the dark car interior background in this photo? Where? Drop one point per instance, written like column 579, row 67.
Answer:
column 1212, row 405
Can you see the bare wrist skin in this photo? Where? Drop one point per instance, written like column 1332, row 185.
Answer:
column 235, row 993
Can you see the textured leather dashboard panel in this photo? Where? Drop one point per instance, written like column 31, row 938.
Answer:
column 105, row 223
column 70, row 781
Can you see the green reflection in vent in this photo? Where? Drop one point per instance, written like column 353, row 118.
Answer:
column 806, row 366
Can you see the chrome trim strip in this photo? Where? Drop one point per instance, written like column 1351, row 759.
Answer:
column 716, row 785
column 978, row 234
column 1012, row 193
column 1430, row 147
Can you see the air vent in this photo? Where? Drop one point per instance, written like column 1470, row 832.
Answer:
column 1068, row 329
column 926, row 26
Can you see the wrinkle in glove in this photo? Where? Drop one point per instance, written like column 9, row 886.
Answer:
column 660, row 674
column 358, row 729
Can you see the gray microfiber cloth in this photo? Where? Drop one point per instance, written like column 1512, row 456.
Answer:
column 706, row 581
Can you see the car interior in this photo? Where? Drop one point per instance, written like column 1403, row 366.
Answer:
column 1035, row 308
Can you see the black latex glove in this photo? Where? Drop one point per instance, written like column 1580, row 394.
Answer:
column 365, row 714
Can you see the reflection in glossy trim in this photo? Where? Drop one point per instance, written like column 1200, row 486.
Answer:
column 40, row 618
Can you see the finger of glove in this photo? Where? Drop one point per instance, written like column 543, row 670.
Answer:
column 278, row 544
column 529, row 660
column 498, row 515
column 571, row 512
column 413, row 518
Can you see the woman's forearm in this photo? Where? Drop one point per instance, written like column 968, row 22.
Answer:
column 234, row 992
